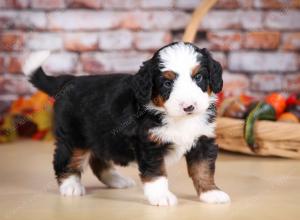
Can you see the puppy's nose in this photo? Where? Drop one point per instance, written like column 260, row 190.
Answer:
column 189, row 109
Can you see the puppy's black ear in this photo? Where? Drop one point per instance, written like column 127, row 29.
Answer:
column 215, row 72
column 216, row 80
column 142, row 83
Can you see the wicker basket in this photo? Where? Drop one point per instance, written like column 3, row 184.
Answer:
column 273, row 138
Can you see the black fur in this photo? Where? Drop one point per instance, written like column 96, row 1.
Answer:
column 201, row 164
column 214, row 69
column 204, row 150
column 142, row 82
column 213, row 113
column 106, row 115
column 49, row 84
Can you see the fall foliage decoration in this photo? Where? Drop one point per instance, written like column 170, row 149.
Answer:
column 27, row 118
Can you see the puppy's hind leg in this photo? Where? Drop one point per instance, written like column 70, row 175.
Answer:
column 68, row 165
column 108, row 175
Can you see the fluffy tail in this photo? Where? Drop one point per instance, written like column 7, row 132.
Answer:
column 36, row 75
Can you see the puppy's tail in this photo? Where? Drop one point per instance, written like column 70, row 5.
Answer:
column 32, row 68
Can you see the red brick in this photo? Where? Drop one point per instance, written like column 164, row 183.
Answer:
column 15, row 85
column 18, row 4
column 47, row 4
column 282, row 20
column 186, row 4
column 6, row 100
column 262, row 61
column 11, row 41
column 113, row 62
column 291, row 41
column 81, row 41
column 233, row 4
column 261, row 40
column 91, row 64
column 200, row 42
column 276, row 4
column 84, row 20
column 227, row 4
column 130, row 21
column 63, row 62
column 116, row 40
column 120, row 4
column 7, row 19
column 1, row 85
column 220, row 57
column 84, row 3
column 246, row 4
column 14, row 64
column 2, row 64
column 226, row 40
column 150, row 20
column 291, row 82
column 44, row 41
column 235, row 84
column 220, row 20
column 157, row 4
column 266, row 82
column 151, row 40
column 31, row 20
column 252, row 20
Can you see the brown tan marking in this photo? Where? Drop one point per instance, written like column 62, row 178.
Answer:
column 78, row 158
column 169, row 75
column 202, row 176
column 158, row 101
column 98, row 166
column 154, row 139
column 209, row 90
column 195, row 70
column 75, row 166
column 147, row 179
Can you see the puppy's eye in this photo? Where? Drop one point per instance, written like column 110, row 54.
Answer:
column 198, row 77
column 168, row 84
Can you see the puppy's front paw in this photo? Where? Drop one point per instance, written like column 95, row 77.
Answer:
column 214, row 196
column 158, row 194
column 166, row 199
column 72, row 187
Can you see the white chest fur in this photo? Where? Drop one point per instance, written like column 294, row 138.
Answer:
column 183, row 133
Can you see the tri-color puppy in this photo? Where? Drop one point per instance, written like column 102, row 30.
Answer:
column 164, row 112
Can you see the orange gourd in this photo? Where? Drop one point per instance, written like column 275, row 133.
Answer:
column 278, row 102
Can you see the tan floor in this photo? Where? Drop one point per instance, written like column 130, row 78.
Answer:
column 259, row 188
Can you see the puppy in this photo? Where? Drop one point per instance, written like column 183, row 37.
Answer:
column 164, row 112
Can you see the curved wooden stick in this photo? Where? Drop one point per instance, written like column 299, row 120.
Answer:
column 198, row 14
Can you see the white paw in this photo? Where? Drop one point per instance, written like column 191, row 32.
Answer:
column 158, row 194
column 165, row 199
column 72, row 187
column 214, row 196
column 113, row 179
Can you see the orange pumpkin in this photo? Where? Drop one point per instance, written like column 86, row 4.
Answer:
column 277, row 101
column 288, row 117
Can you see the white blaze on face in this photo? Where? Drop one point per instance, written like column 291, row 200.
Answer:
column 181, row 59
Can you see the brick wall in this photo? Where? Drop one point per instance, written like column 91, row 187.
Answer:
column 257, row 41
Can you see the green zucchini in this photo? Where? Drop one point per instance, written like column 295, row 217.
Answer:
column 262, row 111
